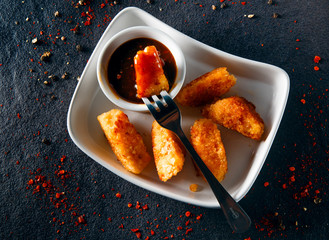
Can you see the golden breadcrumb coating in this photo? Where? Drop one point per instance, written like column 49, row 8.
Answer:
column 126, row 143
column 207, row 142
column 150, row 77
column 238, row 114
column 206, row 88
column 168, row 152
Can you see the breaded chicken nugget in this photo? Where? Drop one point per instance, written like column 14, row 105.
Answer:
column 206, row 88
column 150, row 78
column 168, row 152
column 126, row 143
column 207, row 142
column 238, row 114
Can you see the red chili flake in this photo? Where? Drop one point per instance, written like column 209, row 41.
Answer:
column 292, row 169
column 81, row 219
column 316, row 68
column 147, row 238
column 118, row 195
column 179, row 228
column 138, row 234
column 58, row 195
column 188, row 214
column 102, row 5
column 145, row 207
column 19, row 116
column 109, row 219
column 199, row 217
column 317, row 59
column 317, row 191
column 284, row 186
column 292, row 178
column 134, row 230
column 130, row 205
column 243, row 3
column 87, row 23
column 121, row 226
column 152, row 232
column 303, row 101
column 297, row 40
column 266, row 184
column 77, row 189
column 188, row 230
column 187, row 222
column 30, row 182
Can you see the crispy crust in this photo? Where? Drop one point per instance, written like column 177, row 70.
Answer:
column 168, row 152
column 126, row 143
column 207, row 142
column 206, row 88
column 238, row 114
column 150, row 78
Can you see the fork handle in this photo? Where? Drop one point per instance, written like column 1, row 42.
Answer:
column 235, row 215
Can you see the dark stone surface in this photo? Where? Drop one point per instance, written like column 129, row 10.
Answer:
column 31, row 111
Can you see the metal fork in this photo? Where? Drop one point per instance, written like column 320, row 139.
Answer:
column 167, row 114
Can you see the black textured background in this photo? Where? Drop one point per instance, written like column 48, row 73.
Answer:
column 31, row 112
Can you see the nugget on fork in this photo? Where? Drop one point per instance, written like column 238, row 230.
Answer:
column 150, row 77
column 238, row 114
column 168, row 152
column 126, row 143
column 207, row 142
column 206, row 88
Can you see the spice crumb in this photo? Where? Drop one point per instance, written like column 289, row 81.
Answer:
column 64, row 76
column 275, row 15
column 78, row 47
column 213, row 7
column 45, row 56
column 317, row 200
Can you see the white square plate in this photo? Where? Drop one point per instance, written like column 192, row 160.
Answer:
column 264, row 85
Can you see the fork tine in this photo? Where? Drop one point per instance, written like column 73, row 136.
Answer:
column 158, row 102
column 168, row 100
column 149, row 105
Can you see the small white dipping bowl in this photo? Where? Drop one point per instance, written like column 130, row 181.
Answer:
column 124, row 36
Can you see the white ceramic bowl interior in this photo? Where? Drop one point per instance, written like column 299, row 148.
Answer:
column 124, row 36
